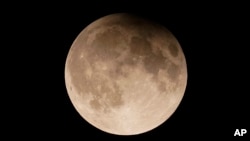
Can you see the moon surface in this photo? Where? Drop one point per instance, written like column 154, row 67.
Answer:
column 125, row 75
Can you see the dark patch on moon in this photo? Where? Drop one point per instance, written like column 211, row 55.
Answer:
column 117, row 71
column 130, row 61
column 162, row 86
column 173, row 71
column 154, row 63
column 139, row 46
column 104, row 45
column 173, row 48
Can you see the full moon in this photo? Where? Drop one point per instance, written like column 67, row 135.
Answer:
column 125, row 75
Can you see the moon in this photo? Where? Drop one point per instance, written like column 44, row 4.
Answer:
column 125, row 75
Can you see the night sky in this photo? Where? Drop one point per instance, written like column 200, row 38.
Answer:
column 214, row 40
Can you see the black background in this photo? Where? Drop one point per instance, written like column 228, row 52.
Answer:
column 214, row 38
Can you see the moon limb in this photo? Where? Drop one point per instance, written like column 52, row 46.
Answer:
column 118, row 87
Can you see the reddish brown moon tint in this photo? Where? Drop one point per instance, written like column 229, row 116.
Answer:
column 125, row 75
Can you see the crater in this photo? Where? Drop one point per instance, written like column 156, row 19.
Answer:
column 173, row 49
column 107, row 97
